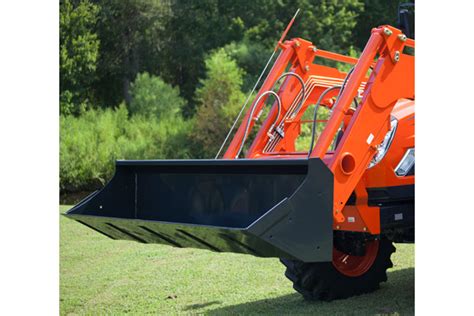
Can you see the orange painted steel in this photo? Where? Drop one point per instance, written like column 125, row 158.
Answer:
column 390, row 81
column 382, row 81
column 334, row 56
column 354, row 266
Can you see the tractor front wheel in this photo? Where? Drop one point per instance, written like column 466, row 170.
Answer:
column 347, row 275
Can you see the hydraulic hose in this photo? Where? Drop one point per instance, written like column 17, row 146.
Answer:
column 277, row 98
column 315, row 115
column 244, row 105
column 286, row 74
column 302, row 87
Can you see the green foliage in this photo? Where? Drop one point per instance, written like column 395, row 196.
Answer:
column 251, row 57
column 66, row 103
column 152, row 97
column 90, row 144
column 194, row 29
column 375, row 13
column 219, row 100
column 88, row 147
column 170, row 39
column 79, row 47
column 303, row 142
column 132, row 35
column 329, row 23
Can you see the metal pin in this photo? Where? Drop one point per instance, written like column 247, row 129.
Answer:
column 402, row 37
column 396, row 57
column 387, row 31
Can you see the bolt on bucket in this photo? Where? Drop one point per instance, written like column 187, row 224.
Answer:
column 266, row 208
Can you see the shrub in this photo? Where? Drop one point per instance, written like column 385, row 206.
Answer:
column 251, row 57
column 90, row 143
column 219, row 100
column 153, row 97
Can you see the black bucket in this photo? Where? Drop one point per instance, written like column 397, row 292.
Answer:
column 267, row 208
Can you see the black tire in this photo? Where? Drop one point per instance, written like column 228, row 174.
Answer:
column 322, row 281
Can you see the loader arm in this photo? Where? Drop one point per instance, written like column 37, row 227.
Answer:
column 391, row 78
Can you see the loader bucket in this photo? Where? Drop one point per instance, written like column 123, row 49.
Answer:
column 266, row 208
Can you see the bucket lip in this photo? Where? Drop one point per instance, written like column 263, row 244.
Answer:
column 246, row 241
column 206, row 162
column 148, row 221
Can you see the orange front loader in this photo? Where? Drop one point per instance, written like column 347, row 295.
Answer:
column 329, row 211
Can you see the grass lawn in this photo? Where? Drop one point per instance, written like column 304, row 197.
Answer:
column 102, row 276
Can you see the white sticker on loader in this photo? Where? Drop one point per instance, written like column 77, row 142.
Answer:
column 351, row 219
column 399, row 216
column 370, row 138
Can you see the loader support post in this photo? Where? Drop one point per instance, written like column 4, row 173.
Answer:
column 347, row 96
column 391, row 79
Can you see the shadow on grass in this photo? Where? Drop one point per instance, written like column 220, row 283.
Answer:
column 395, row 297
column 199, row 306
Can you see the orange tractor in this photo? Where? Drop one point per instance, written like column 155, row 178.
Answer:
column 330, row 211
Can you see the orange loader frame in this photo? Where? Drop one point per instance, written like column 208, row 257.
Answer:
column 390, row 79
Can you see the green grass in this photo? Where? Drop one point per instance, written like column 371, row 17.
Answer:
column 102, row 276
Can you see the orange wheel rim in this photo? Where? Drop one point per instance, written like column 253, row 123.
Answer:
column 354, row 266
